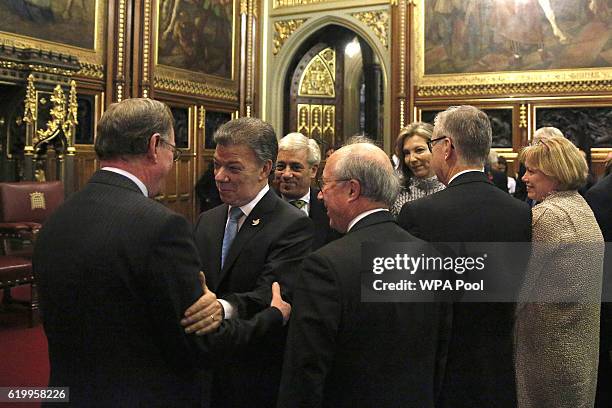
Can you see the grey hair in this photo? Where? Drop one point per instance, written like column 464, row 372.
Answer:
column 470, row 130
column 127, row 126
column 359, row 138
column 254, row 133
column 546, row 132
column 377, row 179
column 297, row 141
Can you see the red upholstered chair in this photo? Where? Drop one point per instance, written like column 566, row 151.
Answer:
column 24, row 207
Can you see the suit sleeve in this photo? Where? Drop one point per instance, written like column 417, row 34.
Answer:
column 407, row 219
column 172, row 285
column 313, row 328
column 282, row 261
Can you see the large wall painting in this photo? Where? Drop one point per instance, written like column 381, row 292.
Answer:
column 69, row 22
column 197, row 35
column 492, row 41
column 486, row 36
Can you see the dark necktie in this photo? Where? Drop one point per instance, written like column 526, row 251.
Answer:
column 231, row 229
column 298, row 203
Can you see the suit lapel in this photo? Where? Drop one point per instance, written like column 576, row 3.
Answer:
column 257, row 219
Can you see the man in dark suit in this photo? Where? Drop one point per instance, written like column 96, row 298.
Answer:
column 599, row 198
column 271, row 240
column 116, row 270
column 342, row 352
column 296, row 168
column 479, row 363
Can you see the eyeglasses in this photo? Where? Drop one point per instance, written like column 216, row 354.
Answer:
column 430, row 143
column 176, row 153
column 322, row 183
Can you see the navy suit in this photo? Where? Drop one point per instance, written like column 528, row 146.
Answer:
column 116, row 271
column 479, row 362
column 269, row 247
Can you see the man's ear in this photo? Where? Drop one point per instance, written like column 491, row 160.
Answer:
column 355, row 190
column 152, row 147
column 267, row 168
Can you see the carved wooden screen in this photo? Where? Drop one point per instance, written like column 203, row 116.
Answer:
column 316, row 95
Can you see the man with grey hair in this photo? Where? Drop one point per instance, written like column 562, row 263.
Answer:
column 478, row 361
column 116, row 270
column 297, row 164
column 253, row 239
column 342, row 352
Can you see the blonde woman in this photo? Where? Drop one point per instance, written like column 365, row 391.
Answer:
column 557, row 326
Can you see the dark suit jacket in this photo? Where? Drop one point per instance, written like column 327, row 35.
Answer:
column 323, row 233
column 269, row 247
column 116, row 271
column 479, row 364
column 599, row 198
column 342, row 352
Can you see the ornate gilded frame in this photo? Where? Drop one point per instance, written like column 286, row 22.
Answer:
column 92, row 60
column 184, row 81
column 500, row 83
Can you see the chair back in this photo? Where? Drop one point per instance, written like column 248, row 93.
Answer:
column 29, row 201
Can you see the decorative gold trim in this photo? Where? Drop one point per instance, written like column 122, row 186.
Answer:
column 37, row 68
column 88, row 70
column 318, row 79
column 71, row 121
column 146, row 48
column 244, row 6
column 402, row 53
column 29, row 114
column 283, row 30
column 120, row 48
column 58, row 115
column 378, row 22
column 250, row 54
column 523, row 116
column 195, row 88
column 515, row 88
column 201, row 116
column 284, row 7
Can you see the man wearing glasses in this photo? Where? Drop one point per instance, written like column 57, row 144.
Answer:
column 116, row 271
column 479, row 368
column 342, row 352
column 250, row 241
column 296, row 167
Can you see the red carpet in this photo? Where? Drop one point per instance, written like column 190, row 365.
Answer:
column 25, row 361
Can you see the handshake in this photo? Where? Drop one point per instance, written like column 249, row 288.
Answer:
column 206, row 314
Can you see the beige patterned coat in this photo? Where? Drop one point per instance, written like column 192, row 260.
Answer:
column 557, row 338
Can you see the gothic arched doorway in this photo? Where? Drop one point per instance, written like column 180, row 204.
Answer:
column 333, row 89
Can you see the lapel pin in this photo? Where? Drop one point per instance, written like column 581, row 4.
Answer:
column 255, row 222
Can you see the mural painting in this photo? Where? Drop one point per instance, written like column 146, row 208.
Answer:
column 196, row 35
column 477, row 36
column 48, row 20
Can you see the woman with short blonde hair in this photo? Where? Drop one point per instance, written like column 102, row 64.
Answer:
column 557, row 318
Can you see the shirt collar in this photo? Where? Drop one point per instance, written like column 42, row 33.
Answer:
column 463, row 172
column 132, row 177
column 362, row 216
column 248, row 207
